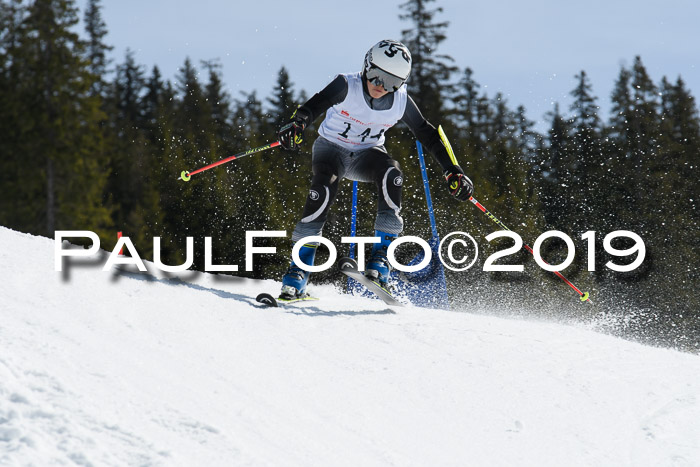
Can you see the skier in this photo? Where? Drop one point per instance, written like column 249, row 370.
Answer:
column 359, row 108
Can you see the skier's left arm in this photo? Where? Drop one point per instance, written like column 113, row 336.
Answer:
column 459, row 185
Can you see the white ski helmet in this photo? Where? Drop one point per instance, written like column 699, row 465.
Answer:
column 388, row 64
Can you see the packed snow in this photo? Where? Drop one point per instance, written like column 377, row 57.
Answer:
column 132, row 368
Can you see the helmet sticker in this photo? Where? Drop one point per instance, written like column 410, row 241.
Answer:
column 393, row 48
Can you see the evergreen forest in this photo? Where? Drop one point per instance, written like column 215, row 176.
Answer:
column 88, row 142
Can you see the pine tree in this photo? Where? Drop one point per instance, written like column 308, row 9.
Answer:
column 96, row 48
column 429, row 83
column 677, row 197
column 555, row 172
column 587, row 158
column 192, row 144
column 680, row 125
column 153, row 102
column 645, row 123
column 13, row 119
column 647, row 193
column 12, row 13
column 466, row 113
column 128, row 89
column 55, row 142
column 528, row 142
column 194, row 111
column 282, row 103
column 138, row 131
column 219, row 103
column 160, row 114
column 127, row 152
column 637, row 127
column 507, row 166
column 249, row 118
column 229, row 200
column 622, row 138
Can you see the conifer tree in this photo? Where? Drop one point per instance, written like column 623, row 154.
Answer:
column 622, row 139
column 506, row 161
column 127, row 154
column 219, row 103
column 555, row 172
column 587, row 158
column 153, row 102
column 528, row 143
column 13, row 119
column 282, row 102
column 250, row 120
column 677, row 197
column 160, row 111
column 429, row 83
column 194, row 112
column 680, row 125
column 57, row 173
column 466, row 112
column 193, row 144
column 229, row 194
column 96, row 48
column 636, row 131
column 128, row 90
column 645, row 187
column 621, row 110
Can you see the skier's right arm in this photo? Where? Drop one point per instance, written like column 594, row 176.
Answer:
column 291, row 134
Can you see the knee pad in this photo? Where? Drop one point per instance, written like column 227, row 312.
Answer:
column 324, row 185
column 317, row 203
column 390, row 187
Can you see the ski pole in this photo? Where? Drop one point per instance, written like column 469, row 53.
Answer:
column 583, row 295
column 450, row 152
column 185, row 175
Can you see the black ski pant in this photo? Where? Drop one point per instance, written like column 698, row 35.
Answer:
column 332, row 163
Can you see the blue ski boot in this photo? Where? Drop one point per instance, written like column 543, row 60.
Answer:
column 378, row 267
column 295, row 279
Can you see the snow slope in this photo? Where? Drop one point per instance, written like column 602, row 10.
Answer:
column 99, row 368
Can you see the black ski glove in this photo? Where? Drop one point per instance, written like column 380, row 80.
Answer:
column 291, row 135
column 459, row 184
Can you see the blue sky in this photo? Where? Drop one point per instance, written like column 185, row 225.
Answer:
column 528, row 51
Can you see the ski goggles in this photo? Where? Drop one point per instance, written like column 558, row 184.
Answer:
column 379, row 77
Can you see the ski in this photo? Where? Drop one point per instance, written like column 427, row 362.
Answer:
column 348, row 266
column 269, row 300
